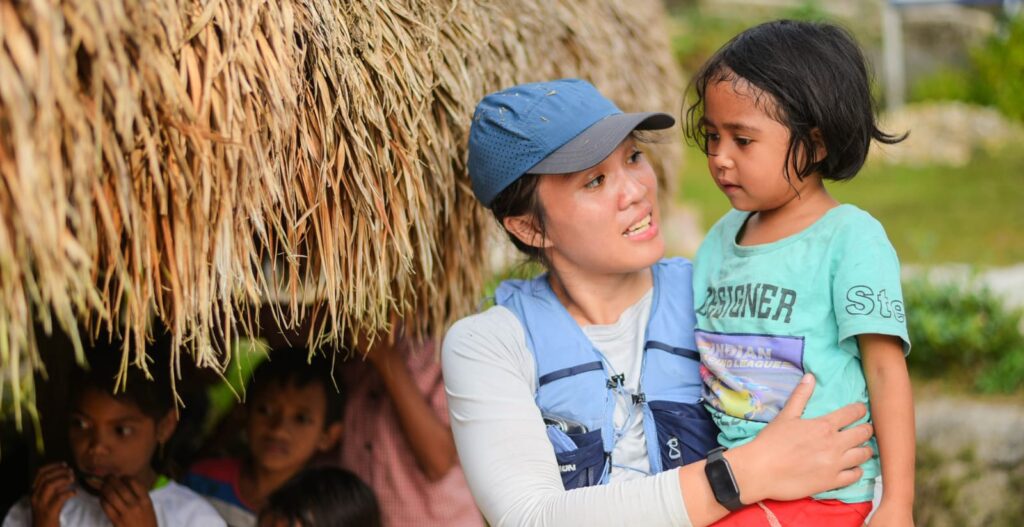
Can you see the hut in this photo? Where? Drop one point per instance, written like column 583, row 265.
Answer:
column 188, row 161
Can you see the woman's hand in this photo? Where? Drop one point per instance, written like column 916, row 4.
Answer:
column 50, row 490
column 126, row 502
column 794, row 458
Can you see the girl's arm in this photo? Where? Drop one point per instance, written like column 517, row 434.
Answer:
column 429, row 438
column 892, row 412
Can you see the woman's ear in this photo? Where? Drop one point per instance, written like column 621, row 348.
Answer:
column 166, row 425
column 526, row 229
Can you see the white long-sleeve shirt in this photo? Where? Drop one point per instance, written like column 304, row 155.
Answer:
column 490, row 379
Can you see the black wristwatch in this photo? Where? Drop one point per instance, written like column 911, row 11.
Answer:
column 723, row 483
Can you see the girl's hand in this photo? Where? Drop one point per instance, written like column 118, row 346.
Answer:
column 891, row 515
column 794, row 458
column 50, row 491
column 127, row 503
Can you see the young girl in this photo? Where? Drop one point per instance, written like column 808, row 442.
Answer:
column 791, row 281
column 581, row 383
column 112, row 481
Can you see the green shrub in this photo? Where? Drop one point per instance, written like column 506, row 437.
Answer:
column 964, row 335
column 945, row 84
column 999, row 65
column 995, row 76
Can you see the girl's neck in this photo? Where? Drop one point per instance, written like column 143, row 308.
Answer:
column 257, row 483
column 599, row 299
column 799, row 213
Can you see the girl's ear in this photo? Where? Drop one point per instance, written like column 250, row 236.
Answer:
column 330, row 437
column 819, row 144
column 525, row 228
column 166, row 425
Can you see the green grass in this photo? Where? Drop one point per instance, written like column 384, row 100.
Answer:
column 933, row 214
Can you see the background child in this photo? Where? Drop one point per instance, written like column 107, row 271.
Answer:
column 113, row 438
column 293, row 413
column 324, row 496
column 791, row 281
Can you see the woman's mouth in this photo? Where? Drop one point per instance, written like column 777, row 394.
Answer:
column 639, row 227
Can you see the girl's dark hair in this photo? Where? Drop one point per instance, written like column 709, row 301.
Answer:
column 324, row 496
column 152, row 395
column 809, row 77
column 289, row 367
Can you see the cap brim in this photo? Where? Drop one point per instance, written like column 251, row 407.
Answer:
column 594, row 144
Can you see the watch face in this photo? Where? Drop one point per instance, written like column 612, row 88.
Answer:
column 722, row 483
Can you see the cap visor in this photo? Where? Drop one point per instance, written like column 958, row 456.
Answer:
column 594, row 144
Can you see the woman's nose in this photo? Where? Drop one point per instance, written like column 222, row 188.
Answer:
column 633, row 190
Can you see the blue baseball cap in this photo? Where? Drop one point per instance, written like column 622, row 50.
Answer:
column 555, row 127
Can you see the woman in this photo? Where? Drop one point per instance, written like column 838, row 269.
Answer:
column 582, row 382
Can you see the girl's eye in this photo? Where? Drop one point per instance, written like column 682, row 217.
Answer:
column 78, row 423
column 596, row 182
column 263, row 409
column 303, row 419
column 711, row 136
column 635, row 156
column 124, row 431
column 743, row 141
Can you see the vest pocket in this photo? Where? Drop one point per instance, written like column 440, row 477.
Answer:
column 580, row 457
column 685, row 432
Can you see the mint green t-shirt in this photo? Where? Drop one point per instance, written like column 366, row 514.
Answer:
column 766, row 314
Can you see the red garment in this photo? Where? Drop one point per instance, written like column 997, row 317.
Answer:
column 375, row 448
column 807, row 512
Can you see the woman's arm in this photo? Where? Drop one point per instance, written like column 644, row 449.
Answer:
column 503, row 447
column 892, row 411
column 512, row 472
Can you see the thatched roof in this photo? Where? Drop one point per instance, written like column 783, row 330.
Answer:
column 189, row 160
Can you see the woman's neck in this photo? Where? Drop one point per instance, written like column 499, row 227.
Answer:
column 599, row 299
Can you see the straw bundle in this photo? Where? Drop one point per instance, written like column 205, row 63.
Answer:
column 190, row 160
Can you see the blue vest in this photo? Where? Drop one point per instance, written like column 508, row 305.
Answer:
column 576, row 389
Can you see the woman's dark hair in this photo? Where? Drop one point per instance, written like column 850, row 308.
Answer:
column 289, row 367
column 518, row 199
column 324, row 496
column 810, row 77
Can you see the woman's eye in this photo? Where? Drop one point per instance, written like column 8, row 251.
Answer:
column 635, row 156
column 596, row 182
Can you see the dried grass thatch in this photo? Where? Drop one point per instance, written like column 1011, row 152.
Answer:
column 188, row 160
